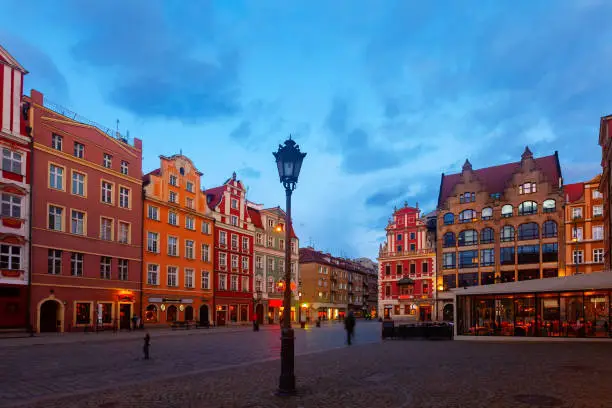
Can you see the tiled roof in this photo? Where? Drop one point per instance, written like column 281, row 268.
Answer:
column 495, row 178
column 573, row 192
column 215, row 195
column 595, row 180
column 310, row 255
column 255, row 217
column 147, row 177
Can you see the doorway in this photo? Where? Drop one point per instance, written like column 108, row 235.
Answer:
column 188, row 313
column 425, row 313
column 50, row 319
column 448, row 313
column 125, row 315
column 221, row 317
column 204, row 314
column 259, row 310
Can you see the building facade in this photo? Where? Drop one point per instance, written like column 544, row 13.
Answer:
column 356, row 279
column 501, row 223
column 605, row 185
column 86, row 223
column 270, row 264
column 407, row 268
column 370, row 293
column 584, row 227
column 178, row 227
column 15, row 195
column 233, row 239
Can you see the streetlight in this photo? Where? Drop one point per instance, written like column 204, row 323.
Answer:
column 289, row 162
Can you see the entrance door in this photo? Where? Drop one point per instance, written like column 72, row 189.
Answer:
column 259, row 311
column 188, row 313
column 447, row 313
column 125, row 313
column 204, row 314
column 221, row 317
column 49, row 316
column 425, row 313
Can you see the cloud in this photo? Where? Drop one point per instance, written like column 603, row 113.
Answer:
column 242, row 131
column 336, row 120
column 249, row 172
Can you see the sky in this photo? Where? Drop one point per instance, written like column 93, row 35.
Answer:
column 383, row 96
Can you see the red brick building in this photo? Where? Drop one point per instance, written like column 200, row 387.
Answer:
column 407, row 266
column 86, row 222
column 15, row 195
column 605, row 185
column 234, row 233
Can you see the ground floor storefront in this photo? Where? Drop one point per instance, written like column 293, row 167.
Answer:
column 572, row 306
column 66, row 309
column 413, row 309
column 168, row 309
column 233, row 310
column 13, row 306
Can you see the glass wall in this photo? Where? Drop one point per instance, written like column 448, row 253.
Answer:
column 559, row 314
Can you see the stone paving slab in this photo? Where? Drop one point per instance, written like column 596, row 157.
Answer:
column 424, row 374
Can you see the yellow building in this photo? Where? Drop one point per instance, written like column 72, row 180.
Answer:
column 584, row 227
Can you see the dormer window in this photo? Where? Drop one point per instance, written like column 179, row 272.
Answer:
column 527, row 188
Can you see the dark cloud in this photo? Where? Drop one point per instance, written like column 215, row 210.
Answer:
column 336, row 120
column 242, row 131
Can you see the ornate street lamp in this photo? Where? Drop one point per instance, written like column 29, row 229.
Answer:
column 289, row 162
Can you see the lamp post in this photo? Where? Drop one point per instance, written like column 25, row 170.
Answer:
column 289, row 162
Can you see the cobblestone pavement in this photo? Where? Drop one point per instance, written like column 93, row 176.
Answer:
column 37, row 371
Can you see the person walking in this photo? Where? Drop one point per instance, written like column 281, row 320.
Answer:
column 147, row 345
column 349, row 326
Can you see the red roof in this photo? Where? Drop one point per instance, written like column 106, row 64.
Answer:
column 573, row 192
column 495, row 178
column 309, row 254
column 147, row 177
column 213, row 196
column 255, row 217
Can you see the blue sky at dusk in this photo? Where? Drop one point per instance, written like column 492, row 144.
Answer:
column 382, row 95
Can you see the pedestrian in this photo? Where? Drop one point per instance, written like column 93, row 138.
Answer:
column 147, row 345
column 349, row 326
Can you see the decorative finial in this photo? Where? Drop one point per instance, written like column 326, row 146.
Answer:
column 234, row 176
column 467, row 165
column 405, row 203
column 394, row 208
column 527, row 154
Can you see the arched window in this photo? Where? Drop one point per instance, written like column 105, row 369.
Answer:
column 151, row 314
column 468, row 237
column 449, row 240
column 528, row 208
column 507, row 234
column 549, row 229
column 549, row 205
column 486, row 236
column 487, row 213
column 467, row 215
column 529, row 230
column 449, row 219
column 507, row 210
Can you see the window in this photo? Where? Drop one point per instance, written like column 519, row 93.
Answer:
column 78, row 184
column 598, row 255
column 56, row 218
column 79, row 150
column 597, row 232
column 205, row 227
column 107, row 160
column 550, row 252
column 234, row 204
column 527, row 188
column 234, row 241
column 258, row 284
column 56, row 177
column 222, row 237
column 189, row 249
column 468, row 259
column 56, row 142
column 487, row 236
column 468, row 279
column 222, row 281
column 76, row 264
column 528, row 208
column 153, row 242
column 578, row 257
column 506, row 255
column 596, row 194
column 529, row 230
column 597, row 210
column 259, row 238
column 122, row 265
column 507, row 211
column 11, row 206
column 487, row 213
column 189, row 278
column 172, row 218
column 412, row 235
column 270, row 286
column 398, row 269
column 245, row 263
column 487, row 257
column 173, row 180
column 528, row 254
column 11, row 161
column 507, row 234
column 172, row 276
column 270, row 264
column 107, row 192
column 77, row 222
column 172, row 246
column 234, row 283
column 577, row 212
column 10, row 257
column 424, row 267
column 153, row 213
column 124, row 197
column 106, row 229
column 190, row 223
column 223, row 259
column 270, row 242
column 467, row 216
column 449, row 219
column 124, row 232
column 448, row 260
column 234, row 261
column 105, row 267
column 399, row 237
column 234, row 220
column 549, row 229
column 449, row 240
column 172, row 197
column 205, row 253
column 577, row 233
column 205, row 280
column 245, row 284
column 189, row 203
column 54, row 266
column 153, row 274
column 189, row 186
column 469, row 237
column 549, row 206
column 83, row 313
column 124, row 167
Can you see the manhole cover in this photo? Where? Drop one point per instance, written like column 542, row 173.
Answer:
column 537, row 400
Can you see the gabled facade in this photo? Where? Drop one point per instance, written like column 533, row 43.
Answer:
column 15, row 195
column 584, row 227
column 407, row 267
column 605, row 185
column 86, row 223
column 233, row 263
column 178, row 271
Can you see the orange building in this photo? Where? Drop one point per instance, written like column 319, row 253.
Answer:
column 178, row 229
column 584, row 227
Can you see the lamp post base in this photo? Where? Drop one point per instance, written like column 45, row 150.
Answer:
column 286, row 383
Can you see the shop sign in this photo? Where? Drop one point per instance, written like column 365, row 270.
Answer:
column 186, row 300
column 155, row 300
column 171, row 300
